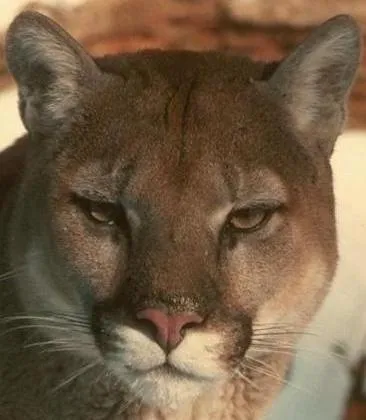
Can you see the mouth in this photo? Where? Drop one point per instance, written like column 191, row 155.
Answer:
column 157, row 377
column 160, row 378
column 166, row 370
column 164, row 386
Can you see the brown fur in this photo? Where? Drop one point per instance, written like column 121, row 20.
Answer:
column 181, row 141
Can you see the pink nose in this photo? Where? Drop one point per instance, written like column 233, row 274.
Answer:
column 169, row 328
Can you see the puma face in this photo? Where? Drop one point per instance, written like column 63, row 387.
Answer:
column 177, row 206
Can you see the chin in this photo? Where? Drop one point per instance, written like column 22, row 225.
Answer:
column 165, row 388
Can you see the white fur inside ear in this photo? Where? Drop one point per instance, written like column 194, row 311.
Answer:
column 49, row 67
column 314, row 81
column 309, row 95
column 40, row 49
column 41, row 46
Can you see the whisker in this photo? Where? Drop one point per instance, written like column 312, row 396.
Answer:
column 273, row 344
column 273, row 326
column 58, row 341
column 64, row 349
column 269, row 369
column 247, row 380
column 74, row 376
column 294, row 347
column 21, row 268
column 30, row 327
column 44, row 322
column 274, row 375
column 121, row 406
column 9, row 275
column 276, row 333
column 40, row 316
column 292, row 351
column 99, row 377
column 271, row 323
column 70, row 315
column 261, row 362
column 318, row 329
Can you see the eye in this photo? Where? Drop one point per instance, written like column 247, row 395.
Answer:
column 103, row 213
column 249, row 219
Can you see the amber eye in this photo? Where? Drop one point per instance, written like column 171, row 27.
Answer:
column 249, row 219
column 103, row 213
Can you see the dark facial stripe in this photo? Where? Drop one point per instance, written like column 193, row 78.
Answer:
column 176, row 115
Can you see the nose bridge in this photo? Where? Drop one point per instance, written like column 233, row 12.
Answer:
column 176, row 264
column 170, row 269
column 169, row 263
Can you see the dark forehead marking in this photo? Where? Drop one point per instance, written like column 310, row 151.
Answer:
column 175, row 117
column 231, row 175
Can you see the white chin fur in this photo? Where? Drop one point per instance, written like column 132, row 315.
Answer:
column 165, row 390
column 138, row 361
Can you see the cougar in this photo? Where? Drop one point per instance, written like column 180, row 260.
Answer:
column 167, row 224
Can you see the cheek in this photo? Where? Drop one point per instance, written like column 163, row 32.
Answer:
column 101, row 266
column 296, row 303
column 97, row 257
column 256, row 271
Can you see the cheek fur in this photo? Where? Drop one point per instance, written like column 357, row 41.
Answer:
column 255, row 273
column 288, row 305
column 98, row 258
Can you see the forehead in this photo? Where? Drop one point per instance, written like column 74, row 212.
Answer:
column 190, row 122
column 208, row 186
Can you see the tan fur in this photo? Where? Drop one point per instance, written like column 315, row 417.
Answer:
column 182, row 148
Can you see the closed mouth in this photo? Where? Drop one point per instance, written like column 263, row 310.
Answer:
column 168, row 370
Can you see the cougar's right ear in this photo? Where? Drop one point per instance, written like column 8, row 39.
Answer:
column 50, row 68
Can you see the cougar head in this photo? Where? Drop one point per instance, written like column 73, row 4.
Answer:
column 176, row 205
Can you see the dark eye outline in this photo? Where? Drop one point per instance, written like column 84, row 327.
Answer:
column 107, row 211
column 268, row 211
column 113, row 212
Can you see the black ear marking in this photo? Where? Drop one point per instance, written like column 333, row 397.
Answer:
column 49, row 67
column 314, row 81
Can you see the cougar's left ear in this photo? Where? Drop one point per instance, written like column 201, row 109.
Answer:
column 50, row 68
column 314, row 81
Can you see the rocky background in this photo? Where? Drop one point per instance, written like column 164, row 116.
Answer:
column 263, row 29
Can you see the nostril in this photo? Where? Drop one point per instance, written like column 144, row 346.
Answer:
column 169, row 329
column 186, row 321
column 148, row 326
column 154, row 319
column 159, row 322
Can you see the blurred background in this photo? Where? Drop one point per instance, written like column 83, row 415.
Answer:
column 327, row 381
